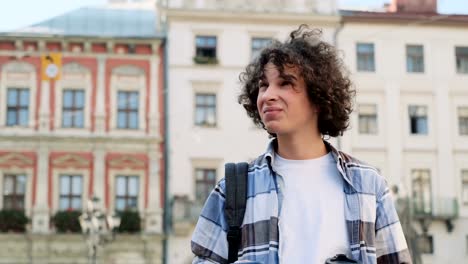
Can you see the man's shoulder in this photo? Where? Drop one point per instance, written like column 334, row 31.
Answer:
column 353, row 162
column 259, row 163
column 366, row 178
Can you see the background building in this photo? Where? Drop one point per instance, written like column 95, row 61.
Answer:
column 99, row 129
column 209, row 44
column 410, row 68
column 410, row 121
column 95, row 131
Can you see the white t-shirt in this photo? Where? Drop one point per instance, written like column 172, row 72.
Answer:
column 312, row 224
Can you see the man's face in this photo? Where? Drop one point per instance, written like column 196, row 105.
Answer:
column 283, row 104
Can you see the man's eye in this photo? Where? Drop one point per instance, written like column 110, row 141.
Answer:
column 285, row 83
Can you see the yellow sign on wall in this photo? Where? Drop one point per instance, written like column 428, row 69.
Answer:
column 51, row 66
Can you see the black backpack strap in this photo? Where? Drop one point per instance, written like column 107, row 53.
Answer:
column 236, row 198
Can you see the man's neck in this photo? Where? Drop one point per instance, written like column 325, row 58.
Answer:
column 301, row 148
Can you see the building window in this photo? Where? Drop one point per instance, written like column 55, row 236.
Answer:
column 17, row 107
column 422, row 195
column 205, row 180
column 418, row 119
column 365, row 57
column 205, row 47
column 463, row 120
column 14, row 188
column 425, row 244
column 71, row 189
column 464, row 178
column 205, row 110
column 127, row 112
column 461, row 56
column 367, row 119
column 258, row 44
column 73, row 108
column 414, row 58
column 126, row 193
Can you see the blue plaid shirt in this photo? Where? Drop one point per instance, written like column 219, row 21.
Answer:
column 374, row 231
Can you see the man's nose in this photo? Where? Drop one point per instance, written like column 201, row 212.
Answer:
column 271, row 93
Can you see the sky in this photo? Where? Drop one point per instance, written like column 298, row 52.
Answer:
column 15, row 14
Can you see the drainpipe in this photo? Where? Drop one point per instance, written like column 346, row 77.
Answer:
column 167, row 205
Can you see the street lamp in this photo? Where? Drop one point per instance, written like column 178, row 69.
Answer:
column 97, row 227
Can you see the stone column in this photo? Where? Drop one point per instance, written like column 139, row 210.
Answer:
column 154, row 211
column 100, row 114
column 154, row 96
column 99, row 174
column 44, row 111
column 393, row 127
column 40, row 219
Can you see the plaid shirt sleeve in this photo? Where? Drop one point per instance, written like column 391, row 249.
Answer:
column 209, row 239
column 390, row 241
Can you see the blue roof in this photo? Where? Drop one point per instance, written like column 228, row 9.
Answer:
column 98, row 22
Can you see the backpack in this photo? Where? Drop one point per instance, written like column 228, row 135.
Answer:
column 235, row 175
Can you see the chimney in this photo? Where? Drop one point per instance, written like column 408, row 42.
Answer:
column 413, row 6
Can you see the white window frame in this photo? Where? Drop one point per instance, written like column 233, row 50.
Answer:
column 207, row 87
column 204, row 163
column 431, row 183
column 426, row 108
column 215, row 36
column 57, row 172
column 464, row 109
column 252, row 57
column 370, row 141
column 206, row 32
column 407, row 57
column 76, row 77
column 140, row 173
column 195, row 180
column 374, row 70
column 375, row 112
column 28, row 172
column 455, row 61
column 132, row 79
column 460, row 142
column 462, row 181
column 18, row 75
column 418, row 141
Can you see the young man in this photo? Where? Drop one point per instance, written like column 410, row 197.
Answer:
column 306, row 200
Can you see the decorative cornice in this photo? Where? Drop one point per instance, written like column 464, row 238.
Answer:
column 247, row 17
column 15, row 159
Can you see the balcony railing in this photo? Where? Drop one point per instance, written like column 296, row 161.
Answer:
column 442, row 208
column 184, row 214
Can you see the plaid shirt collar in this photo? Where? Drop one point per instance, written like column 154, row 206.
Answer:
column 340, row 158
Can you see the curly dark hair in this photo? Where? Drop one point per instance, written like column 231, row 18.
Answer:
column 326, row 78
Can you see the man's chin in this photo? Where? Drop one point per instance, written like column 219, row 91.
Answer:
column 273, row 130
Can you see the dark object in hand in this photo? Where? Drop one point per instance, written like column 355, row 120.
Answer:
column 340, row 259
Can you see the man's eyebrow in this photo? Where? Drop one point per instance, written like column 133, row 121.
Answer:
column 288, row 77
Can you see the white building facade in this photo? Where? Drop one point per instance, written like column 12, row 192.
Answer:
column 209, row 45
column 410, row 118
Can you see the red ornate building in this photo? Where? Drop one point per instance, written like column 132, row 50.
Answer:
column 96, row 131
